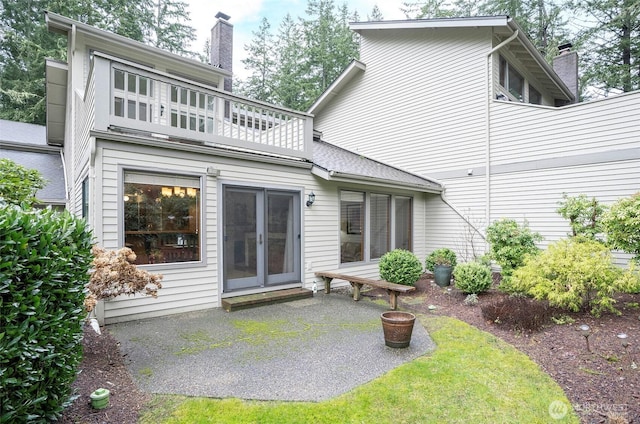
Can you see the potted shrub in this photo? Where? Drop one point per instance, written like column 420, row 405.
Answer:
column 441, row 263
column 401, row 267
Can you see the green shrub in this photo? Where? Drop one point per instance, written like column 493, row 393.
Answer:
column 622, row 225
column 574, row 274
column 584, row 215
column 442, row 256
column 510, row 243
column 400, row 266
column 472, row 277
column 44, row 263
column 18, row 184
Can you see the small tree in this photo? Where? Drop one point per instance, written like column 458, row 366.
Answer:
column 584, row 215
column 510, row 243
column 18, row 185
column 622, row 225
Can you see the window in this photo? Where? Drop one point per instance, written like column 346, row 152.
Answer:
column 511, row 79
column 386, row 226
column 534, row 96
column 132, row 95
column 162, row 217
column 85, row 198
column 192, row 110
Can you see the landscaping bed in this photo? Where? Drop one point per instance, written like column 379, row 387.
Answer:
column 601, row 384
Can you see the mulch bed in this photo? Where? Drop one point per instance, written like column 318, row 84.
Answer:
column 601, row 384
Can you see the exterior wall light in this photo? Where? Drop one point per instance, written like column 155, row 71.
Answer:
column 312, row 198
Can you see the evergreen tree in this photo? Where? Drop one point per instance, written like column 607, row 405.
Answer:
column 260, row 62
column 290, row 82
column 376, row 15
column 610, row 45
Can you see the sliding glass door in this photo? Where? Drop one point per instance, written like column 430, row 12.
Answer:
column 261, row 238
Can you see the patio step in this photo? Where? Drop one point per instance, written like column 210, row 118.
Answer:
column 231, row 304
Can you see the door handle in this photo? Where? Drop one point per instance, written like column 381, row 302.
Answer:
column 260, row 239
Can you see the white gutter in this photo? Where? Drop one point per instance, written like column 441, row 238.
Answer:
column 460, row 214
column 489, row 63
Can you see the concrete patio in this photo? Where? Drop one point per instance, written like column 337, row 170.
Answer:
column 306, row 350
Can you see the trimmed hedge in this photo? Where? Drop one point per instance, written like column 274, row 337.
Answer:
column 44, row 262
column 400, row 266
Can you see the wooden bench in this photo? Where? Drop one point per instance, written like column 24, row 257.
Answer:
column 392, row 289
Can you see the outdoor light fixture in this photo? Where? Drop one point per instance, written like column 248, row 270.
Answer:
column 585, row 330
column 623, row 339
column 312, row 198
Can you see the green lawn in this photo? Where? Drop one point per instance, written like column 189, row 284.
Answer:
column 471, row 377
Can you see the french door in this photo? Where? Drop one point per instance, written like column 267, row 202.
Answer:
column 261, row 238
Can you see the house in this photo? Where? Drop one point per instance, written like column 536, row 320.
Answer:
column 223, row 195
column 26, row 145
column 471, row 103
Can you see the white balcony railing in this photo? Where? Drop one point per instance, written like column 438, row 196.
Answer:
column 133, row 97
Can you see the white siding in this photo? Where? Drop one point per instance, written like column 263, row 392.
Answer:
column 421, row 98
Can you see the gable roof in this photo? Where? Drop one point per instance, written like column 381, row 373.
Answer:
column 26, row 145
column 334, row 163
column 504, row 27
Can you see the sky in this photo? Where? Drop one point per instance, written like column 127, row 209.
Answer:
column 246, row 16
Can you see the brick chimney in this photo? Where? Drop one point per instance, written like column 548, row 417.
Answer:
column 566, row 66
column 222, row 46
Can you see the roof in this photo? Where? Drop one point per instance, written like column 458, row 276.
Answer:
column 334, row 163
column 26, row 145
column 504, row 27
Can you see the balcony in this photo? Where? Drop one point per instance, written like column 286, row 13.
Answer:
column 136, row 99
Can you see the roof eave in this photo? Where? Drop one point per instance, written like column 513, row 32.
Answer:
column 62, row 25
column 537, row 56
column 354, row 68
column 379, row 182
column 479, row 21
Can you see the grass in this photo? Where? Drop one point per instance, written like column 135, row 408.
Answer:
column 471, row 377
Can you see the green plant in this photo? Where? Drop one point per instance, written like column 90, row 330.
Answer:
column 442, row 256
column 46, row 257
column 510, row 243
column 472, row 277
column 400, row 266
column 622, row 225
column 584, row 215
column 563, row 319
column 471, row 299
column 574, row 274
column 114, row 273
column 18, row 185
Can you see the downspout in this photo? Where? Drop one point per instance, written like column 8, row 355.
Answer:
column 489, row 72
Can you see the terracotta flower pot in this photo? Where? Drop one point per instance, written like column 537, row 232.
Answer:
column 397, row 327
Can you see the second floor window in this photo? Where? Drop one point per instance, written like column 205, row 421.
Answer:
column 511, row 80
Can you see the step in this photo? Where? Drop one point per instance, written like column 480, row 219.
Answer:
column 231, row 304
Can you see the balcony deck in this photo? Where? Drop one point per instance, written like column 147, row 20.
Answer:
column 130, row 97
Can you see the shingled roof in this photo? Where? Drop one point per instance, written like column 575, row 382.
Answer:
column 335, row 163
column 26, row 145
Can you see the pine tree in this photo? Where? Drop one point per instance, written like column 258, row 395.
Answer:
column 260, row 62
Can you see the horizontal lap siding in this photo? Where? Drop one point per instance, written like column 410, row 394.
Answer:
column 185, row 286
column 415, row 113
column 524, row 132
